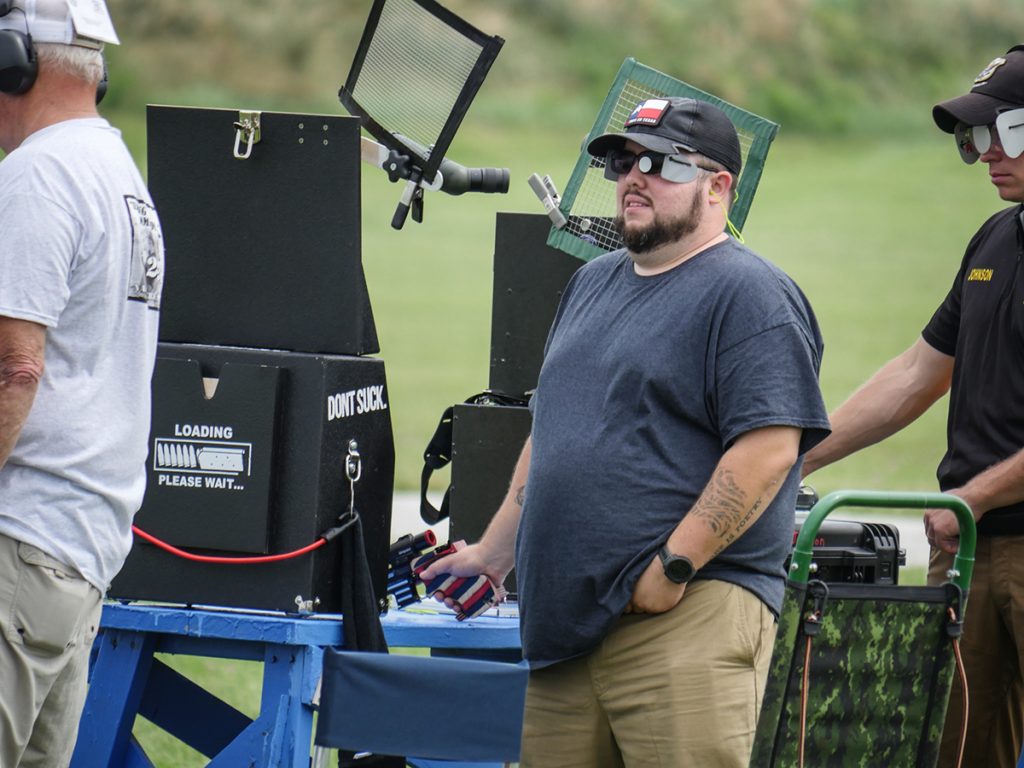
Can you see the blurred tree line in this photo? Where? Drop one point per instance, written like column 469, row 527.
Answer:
column 812, row 65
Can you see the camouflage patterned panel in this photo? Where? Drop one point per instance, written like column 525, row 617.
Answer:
column 770, row 721
column 881, row 669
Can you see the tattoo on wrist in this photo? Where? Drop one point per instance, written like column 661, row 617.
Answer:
column 521, row 495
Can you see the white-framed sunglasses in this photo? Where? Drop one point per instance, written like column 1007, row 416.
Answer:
column 676, row 168
column 972, row 141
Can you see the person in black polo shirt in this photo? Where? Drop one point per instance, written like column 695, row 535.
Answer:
column 974, row 347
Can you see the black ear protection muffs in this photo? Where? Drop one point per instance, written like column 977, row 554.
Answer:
column 18, row 63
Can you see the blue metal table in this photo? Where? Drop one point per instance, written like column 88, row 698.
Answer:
column 126, row 680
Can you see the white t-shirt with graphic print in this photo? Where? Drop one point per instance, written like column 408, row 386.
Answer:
column 81, row 252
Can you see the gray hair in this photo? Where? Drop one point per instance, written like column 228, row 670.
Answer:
column 74, row 60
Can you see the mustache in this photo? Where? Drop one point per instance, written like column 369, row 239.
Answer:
column 634, row 191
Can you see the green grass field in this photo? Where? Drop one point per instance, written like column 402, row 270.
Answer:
column 873, row 231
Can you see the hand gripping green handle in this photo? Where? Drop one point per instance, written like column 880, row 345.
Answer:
column 963, row 563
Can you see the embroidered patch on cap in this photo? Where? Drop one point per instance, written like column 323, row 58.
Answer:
column 990, row 70
column 649, row 112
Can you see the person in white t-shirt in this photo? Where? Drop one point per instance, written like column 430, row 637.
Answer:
column 81, row 272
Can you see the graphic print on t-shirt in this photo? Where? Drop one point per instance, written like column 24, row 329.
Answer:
column 147, row 260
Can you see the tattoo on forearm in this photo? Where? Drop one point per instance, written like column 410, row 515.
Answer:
column 725, row 509
column 734, row 533
column 521, row 495
column 721, row 503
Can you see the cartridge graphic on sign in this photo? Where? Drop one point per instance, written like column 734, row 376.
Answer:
column 211, row 457
column 221, row 459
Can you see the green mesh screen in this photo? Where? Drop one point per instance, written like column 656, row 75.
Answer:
column 589, row 199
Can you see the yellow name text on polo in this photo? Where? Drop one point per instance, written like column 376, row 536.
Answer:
column 980, row 275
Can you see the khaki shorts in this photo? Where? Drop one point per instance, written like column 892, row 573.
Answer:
column 681, row 688
column 48, row 619
column 993, row 649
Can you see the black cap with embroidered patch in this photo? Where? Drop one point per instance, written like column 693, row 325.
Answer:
column 677, row 124
column 998, row 86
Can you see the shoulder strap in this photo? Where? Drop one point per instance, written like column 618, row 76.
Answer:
column 437, row 455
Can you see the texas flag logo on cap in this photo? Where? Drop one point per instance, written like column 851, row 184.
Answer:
column 648, row 112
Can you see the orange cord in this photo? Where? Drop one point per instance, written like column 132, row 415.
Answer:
column 963, row 684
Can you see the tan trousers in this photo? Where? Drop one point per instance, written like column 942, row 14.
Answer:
column 993, row 649
column 677, row 689
column 48, row 619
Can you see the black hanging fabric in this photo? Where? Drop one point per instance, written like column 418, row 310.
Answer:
column 359, row 608
column 361, row 622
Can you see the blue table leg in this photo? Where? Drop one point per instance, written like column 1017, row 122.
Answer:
column 281, row 735
column 126, row 680
column 118, row 680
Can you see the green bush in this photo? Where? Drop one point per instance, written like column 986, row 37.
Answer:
column 815, row 66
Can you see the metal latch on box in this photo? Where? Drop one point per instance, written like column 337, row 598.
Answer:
column 247, row 130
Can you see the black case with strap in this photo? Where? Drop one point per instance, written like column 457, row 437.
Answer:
column 482, row 439
column 440, row 450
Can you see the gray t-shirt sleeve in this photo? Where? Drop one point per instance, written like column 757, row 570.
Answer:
column 36, row 254
column 770, row 379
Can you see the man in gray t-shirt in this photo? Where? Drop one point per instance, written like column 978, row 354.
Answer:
column 81, row 272
column 652, row 506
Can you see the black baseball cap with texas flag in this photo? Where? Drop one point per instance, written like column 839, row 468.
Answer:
column 677, row 124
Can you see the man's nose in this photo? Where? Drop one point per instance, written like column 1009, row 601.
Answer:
column 994, row 151
column 635, row 175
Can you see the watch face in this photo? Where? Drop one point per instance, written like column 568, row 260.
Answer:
column 678, row 569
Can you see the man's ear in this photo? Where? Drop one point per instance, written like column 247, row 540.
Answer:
column 720, row 187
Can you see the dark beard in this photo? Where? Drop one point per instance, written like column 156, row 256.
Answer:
column 660, row 232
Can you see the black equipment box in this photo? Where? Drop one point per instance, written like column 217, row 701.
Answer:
column 259, row 468
column 265, row 300
column 262, row 250
column 486, row 442
column 855, row 552
column 529, row 278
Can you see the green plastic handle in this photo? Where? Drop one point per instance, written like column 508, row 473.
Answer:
column 963, row 563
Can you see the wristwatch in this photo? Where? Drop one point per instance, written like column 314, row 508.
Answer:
column 678, row 569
